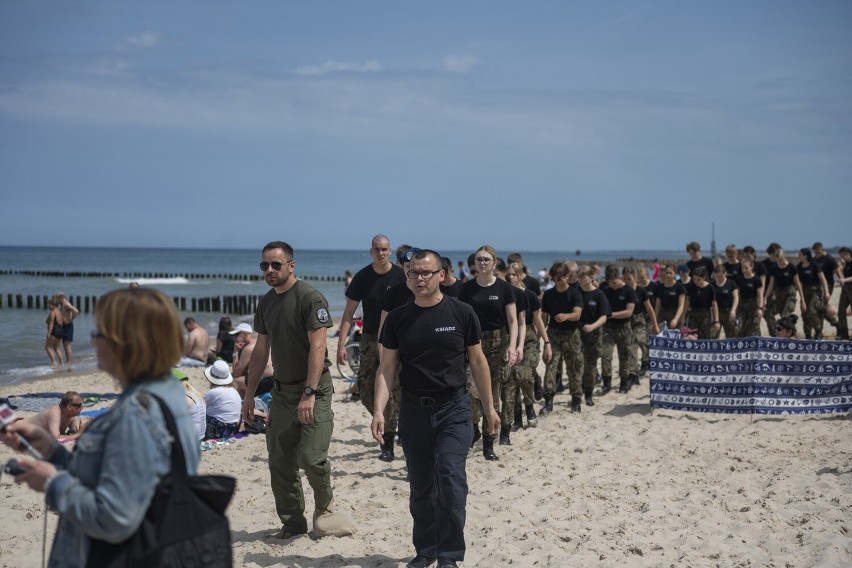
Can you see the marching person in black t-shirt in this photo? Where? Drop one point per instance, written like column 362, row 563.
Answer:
column 751, row 302
column 433, row 338
column 368, row 287
column 450, row 286
column 617, row 334
column 732, row 264
column 727, row 298
column 702, row 309
column 643, row 313
column 670, row 299
column 561, row 307
column 595, row 312
column 768, row 265
column 783, row 283
column 493, row 301
column 693, row 249
column 815, row 295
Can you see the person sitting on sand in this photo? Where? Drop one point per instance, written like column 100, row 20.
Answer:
column 63, row 420
column 224, row 405
column 244, row 345
column 197, row 345
column 194, row 402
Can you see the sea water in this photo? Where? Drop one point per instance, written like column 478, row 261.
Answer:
column 23, row 331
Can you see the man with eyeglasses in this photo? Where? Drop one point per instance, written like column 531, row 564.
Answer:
column 291, row 323
column 432, row 338
column 62, row 420
column 368, row 287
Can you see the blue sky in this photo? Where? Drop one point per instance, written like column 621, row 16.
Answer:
column 526, row 125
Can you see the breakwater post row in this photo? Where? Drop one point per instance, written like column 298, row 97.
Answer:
column 149, row 275
column 231, row 305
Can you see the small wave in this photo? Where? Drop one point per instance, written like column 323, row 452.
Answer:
column 153, row 281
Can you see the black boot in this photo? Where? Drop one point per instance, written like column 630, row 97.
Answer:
column 538, row 388
column 590, row 401
column 575, row 404
column 488, row 449
column 476, row 434
column 548, row 403
column 519, row 418
column 387, row 448
column 625, row 384
column 559, row 386
column 607, row 385
column 531, row 417
column 634, row 380
column 504, row 435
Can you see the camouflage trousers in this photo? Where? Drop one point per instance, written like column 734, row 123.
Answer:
column 591, row 353
column 639, row 341
column 783, row 304
column 369, row 348
column 813, row 316
column 494, row 347
column 749, row 320
column 702, row 320
column 666, row 315
column 565, row 345
column 617, row 336
column 729, row 325
column 523, row 374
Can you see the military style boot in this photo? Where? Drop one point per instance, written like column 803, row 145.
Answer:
column 504, row 435
column 634, row 381
column 488, row 449
column 590, row 401
column 607, row 384
column 531, row 417
column 559, row 386
column 575, row 404
column 548, row 403
column 625, row 385
column 519, row 419
column 387, row 448
column 476, row 434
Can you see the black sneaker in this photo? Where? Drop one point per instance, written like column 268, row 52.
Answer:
column 447, row 563
column 420, row 561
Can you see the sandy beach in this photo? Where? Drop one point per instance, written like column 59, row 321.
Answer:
column 616, row 485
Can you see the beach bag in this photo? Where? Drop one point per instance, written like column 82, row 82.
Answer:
column 185, row 525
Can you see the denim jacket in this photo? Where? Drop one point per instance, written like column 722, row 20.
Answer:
column 104, row 488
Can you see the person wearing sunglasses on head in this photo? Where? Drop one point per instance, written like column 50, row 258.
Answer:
column 62, row 420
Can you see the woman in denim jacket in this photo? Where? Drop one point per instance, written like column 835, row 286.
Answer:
column 104, row 488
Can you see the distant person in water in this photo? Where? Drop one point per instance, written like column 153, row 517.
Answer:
column 69, row 312
column 197, row 345
column 55, row 333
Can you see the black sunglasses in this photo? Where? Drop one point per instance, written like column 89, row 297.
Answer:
column 276, row 266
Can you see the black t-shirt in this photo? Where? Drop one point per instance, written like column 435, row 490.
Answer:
column 669, row 295
column 703, row 261
column 533, row 304
column 521, row 305
column 369, row 287
column 733, row 269
column 700, row 298
column 768, row 268
column 847, row 270
column 828, row 264
column 595, row 305
column 532, row 283
column 618, row 300
column 453, row 289
column 725, row 293
column 555, row 302
column 749, row 286
column 396, row 296
column 489, row 302
column 784, row 276
column 808, row 276
column 432, row 344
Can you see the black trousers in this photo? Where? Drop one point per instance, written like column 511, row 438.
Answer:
column 436, row 441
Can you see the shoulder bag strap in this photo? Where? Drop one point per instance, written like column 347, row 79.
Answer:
column 178, row 459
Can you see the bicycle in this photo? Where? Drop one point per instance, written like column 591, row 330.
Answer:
column 349, row 372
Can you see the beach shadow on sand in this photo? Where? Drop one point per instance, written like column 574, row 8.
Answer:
column 333, row 560
column 621, row 410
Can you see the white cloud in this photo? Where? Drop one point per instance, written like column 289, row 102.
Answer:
column 371, row 66
column 138, row 42
column 459, row 63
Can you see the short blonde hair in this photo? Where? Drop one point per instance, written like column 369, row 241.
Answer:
column 142, row 328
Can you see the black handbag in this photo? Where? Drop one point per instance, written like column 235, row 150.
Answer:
column 185, row 525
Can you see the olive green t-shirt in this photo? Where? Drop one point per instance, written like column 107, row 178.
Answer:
column 287, row 318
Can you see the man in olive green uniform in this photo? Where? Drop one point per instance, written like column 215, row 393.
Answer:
column 291, row 322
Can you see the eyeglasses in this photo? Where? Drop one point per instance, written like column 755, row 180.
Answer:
column 276, row 266
column 77, row 405
column 482, row 260
column 97, row 335
column 425, row 275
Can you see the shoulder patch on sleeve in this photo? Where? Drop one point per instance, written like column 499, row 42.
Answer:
column 322, row 315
